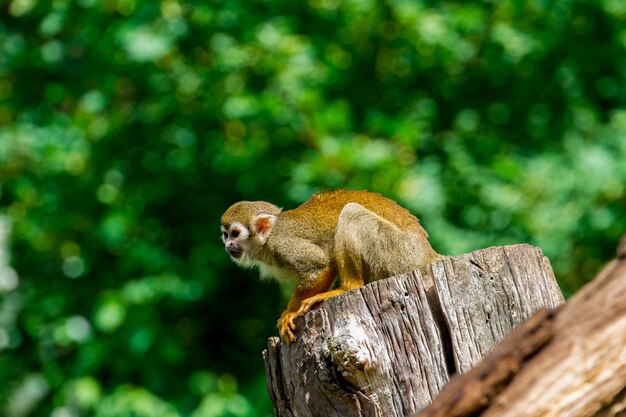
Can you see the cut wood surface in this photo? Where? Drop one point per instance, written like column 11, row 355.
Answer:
column 387, row 349
column 565, row 362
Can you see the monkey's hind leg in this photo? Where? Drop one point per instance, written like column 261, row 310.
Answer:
column 362, row 243
column 368, row 247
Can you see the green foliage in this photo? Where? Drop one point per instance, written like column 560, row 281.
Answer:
column 128, row 126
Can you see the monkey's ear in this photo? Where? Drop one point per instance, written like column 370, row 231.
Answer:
column 263, row 224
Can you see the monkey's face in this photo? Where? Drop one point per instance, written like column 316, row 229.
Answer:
column 235, row 237
column 246, row 226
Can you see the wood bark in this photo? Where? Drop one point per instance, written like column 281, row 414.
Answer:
column 387, row 349
column 566, row 362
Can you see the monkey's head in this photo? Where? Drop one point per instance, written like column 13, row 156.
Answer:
column 246, row 226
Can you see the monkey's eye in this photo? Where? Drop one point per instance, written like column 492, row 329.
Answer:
column 225, row 235
column 235, row 233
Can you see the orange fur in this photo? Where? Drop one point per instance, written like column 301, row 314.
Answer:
column 356, row 235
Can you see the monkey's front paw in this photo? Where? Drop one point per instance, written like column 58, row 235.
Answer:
column 309, row 303
column 286, row 326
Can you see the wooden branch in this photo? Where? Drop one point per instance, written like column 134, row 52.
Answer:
column 388, row 348
column 577, row 367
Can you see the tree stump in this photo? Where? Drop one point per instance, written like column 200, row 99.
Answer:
column 569, row 361
column 388, row 348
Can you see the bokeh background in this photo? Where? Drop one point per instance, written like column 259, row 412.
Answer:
column 128, row 126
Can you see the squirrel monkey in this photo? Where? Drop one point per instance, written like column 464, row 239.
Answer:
column 357, row 236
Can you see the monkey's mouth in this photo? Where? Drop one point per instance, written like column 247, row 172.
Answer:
column 235, row 251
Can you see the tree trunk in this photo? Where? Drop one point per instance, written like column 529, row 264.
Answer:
column 388, row 348
column 565, row 362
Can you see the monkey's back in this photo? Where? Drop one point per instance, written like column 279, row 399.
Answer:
column 322, row 213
